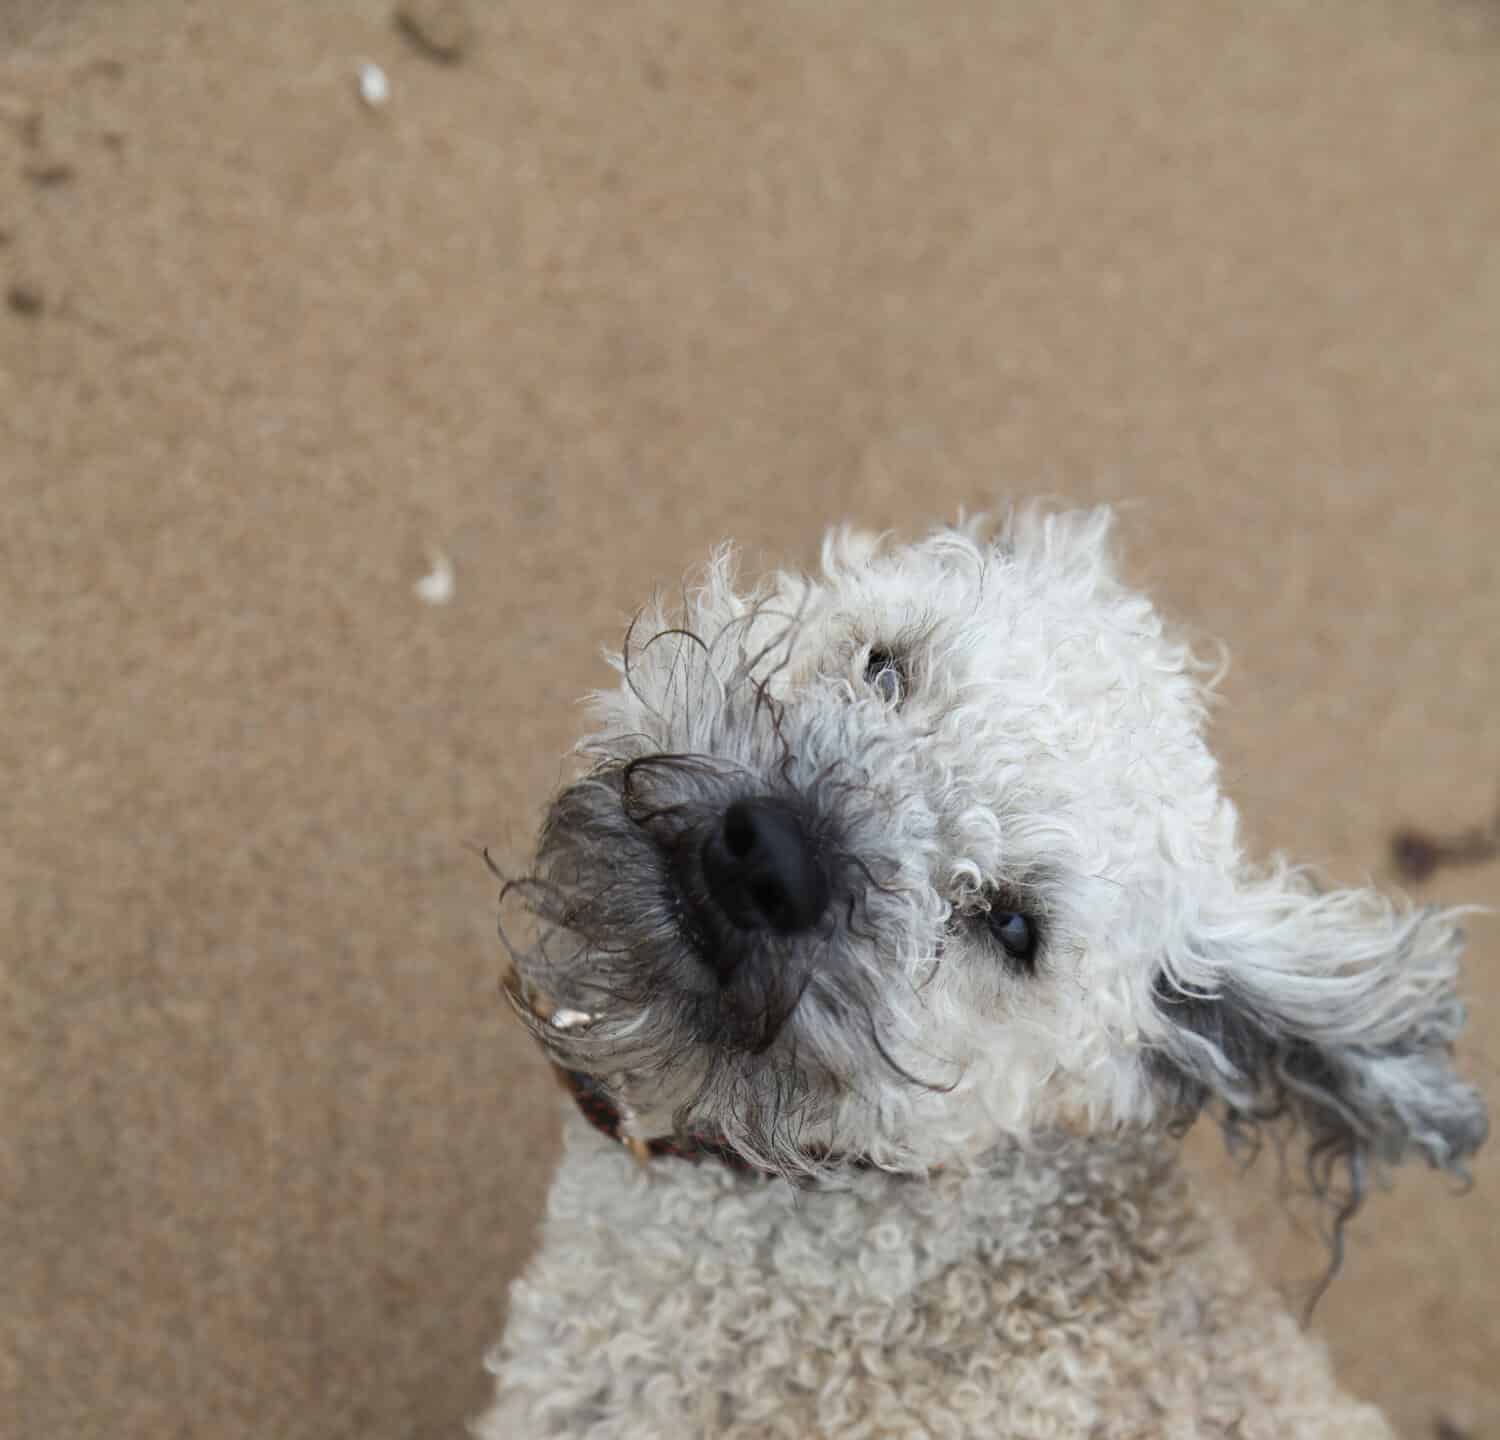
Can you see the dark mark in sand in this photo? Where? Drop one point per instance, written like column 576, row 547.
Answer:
column 1418, row 855
column 24, row 300
column 48, row 173
column 440, row 29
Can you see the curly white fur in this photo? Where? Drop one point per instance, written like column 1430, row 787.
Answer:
column 1024, row 1259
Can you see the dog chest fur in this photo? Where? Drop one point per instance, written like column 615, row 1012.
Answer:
column 1071, row 1288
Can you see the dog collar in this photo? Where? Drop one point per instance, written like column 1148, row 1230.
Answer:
column 595, row 1105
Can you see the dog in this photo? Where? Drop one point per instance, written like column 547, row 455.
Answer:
column 894, row 937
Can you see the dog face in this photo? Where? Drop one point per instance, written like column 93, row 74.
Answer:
column 929, row 853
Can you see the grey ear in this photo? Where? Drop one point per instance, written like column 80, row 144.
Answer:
column 1335, row 1013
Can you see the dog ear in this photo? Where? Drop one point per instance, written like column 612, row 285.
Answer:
column 1336, row 1012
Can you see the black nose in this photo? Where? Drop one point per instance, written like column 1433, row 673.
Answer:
column 762, row 868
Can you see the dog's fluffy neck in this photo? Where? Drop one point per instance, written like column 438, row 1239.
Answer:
column 1036, row 1174
column 1084, row 1162
column 602, row 1112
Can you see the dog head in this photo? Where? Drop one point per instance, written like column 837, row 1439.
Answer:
column 928, row 853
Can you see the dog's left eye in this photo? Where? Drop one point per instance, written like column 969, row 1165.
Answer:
column 1016, row 934
column 884, row 675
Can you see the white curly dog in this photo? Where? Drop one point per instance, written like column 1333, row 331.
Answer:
column 895, row 935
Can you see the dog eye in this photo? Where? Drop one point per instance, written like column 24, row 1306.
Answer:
column 884, row 675
column 1016, row 935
